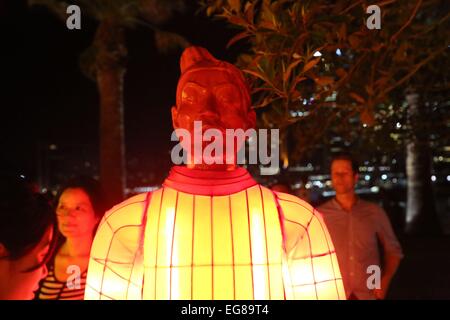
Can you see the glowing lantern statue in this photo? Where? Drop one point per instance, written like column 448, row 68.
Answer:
column 211, row 231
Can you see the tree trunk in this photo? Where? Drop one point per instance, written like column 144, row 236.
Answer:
column 110, row 68
column 421, row 216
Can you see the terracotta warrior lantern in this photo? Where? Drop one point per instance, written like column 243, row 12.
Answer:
column 211, row 231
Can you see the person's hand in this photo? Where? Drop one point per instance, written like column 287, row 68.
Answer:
column 379, row 294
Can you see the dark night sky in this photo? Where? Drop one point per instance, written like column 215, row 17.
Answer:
column 47, row 99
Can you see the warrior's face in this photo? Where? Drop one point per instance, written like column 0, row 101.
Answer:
column 211, row 96
column 214, row 97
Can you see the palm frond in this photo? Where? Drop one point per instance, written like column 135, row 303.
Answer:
column 160, row 11
column 58, row 7
column 168, row 41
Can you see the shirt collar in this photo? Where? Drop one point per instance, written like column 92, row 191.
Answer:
column 338, row 206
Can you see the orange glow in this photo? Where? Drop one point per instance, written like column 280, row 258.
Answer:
column 212, row 232
column 213, row 247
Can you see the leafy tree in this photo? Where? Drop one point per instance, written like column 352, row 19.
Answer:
column 316, row 69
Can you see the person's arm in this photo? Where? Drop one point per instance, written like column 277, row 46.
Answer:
column 391, row 263
column 392, row 253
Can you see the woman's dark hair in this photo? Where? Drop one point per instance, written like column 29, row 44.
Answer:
column 93, row 190
column 25, row 217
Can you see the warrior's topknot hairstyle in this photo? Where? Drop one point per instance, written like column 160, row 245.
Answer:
column 198, row 58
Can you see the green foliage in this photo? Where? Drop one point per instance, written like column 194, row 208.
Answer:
column 361, row 89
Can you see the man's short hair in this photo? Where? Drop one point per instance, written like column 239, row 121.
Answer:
column 348, row 157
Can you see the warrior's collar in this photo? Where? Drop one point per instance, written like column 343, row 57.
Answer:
column 208, row 182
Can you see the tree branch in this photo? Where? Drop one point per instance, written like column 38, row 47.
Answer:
column 432, row 26
column 386, row 3
column 413, row 71
column 350, row 7
column 395, row 36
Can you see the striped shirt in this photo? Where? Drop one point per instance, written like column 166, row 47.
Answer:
column 50, row 288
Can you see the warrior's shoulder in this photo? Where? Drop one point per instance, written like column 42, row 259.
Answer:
column 295, row 210
column 128, row 212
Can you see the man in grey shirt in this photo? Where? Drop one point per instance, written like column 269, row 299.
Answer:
column 355, row 226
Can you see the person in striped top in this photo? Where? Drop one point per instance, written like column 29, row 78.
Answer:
column 211, row 231
column 79, row 209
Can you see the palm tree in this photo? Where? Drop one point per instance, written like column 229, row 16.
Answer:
column 105, row 62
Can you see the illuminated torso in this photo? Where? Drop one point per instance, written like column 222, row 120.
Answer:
column 213, row 235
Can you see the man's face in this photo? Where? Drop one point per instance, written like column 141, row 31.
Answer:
column 343, row 177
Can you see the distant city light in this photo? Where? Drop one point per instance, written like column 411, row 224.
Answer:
column 398, row 125
column 317, row 54
column 394, row 180
column 142, row 189
column 53, row 147
column 299, row 113
column 383, row 176
column 367, row 177
column 448, row 178
column 338, row 52
column 22, row 176
column 374, row 189
column 433, row 178
column 328, row 193
column 318, row 184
